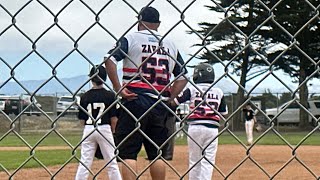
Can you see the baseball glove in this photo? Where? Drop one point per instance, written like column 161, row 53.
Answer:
column 98, row 153
column 258, row 127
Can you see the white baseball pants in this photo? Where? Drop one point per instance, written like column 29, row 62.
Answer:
column 203, row 136
column 249, row 131
column 88, row 149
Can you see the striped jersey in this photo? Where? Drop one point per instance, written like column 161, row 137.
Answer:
column 205, row 102
column 147, row 61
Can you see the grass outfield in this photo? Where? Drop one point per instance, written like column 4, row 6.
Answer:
column 226, row 138
column 13, row 159
column 32, row 139
column 271, row 138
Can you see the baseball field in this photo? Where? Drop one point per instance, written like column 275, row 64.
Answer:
column 270, row 158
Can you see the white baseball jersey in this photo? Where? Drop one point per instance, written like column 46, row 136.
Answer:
column 210, row 99
column 147, row 58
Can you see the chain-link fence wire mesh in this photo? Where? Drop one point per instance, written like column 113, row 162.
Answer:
column 12, row 16
column 33, row 121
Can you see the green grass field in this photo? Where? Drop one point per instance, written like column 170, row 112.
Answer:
column 51, row 140
column 226, row 138
column 13, row 159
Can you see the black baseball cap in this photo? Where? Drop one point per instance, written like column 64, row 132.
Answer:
column 149, row 14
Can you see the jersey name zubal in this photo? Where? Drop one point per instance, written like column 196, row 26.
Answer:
column 147, row 60
column 204, row 104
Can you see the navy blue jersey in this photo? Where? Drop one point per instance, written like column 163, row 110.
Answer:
column 95, row 102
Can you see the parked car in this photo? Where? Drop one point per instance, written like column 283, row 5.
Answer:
column 66, row 105
column 3, row 101
column 291, row 114
column 17, row 103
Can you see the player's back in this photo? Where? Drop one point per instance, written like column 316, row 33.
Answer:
column 210, row 99
column 151, row 56
column 95, row 102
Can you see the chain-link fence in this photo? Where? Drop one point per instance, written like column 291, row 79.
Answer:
column 257, row 48
column 58, row 104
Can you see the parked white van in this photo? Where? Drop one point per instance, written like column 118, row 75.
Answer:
column 291, row 114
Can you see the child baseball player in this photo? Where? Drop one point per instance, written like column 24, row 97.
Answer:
column 97, row 114
column 250, row 119
column 207, row 106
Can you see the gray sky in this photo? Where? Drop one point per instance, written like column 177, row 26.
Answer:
column 117, row 17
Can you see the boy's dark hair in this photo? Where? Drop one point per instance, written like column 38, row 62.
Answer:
column 98, row 74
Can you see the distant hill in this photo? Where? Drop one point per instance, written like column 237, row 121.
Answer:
column 74, row 84
column 51, row 87
column 79, row 82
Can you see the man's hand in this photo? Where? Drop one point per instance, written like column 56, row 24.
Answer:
column 113, row 76
column 172, row 105
column 127, row 94
column 177, row 87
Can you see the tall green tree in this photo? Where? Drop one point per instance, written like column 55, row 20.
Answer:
column 236, row 41
column 296, row 25
column 263, row 36
column 285, row 97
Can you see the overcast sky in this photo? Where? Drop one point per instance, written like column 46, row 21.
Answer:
column 75, row 19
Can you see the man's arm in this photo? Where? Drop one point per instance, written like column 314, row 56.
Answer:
column 181, row 82
column 113, row 74
column 177, row 87
column 111, row 68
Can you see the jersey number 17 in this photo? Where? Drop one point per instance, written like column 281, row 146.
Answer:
column 92, row 107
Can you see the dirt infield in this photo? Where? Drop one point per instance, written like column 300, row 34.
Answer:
column 271, row 158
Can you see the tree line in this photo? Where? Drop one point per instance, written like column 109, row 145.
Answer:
column 257, row 38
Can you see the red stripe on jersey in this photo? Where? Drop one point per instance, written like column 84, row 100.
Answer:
column 146, row 86
column 197, row 116
column 130, row 70
column 159, row 71
column 205, row 108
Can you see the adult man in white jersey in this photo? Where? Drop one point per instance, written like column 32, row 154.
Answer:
column 149, row 59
